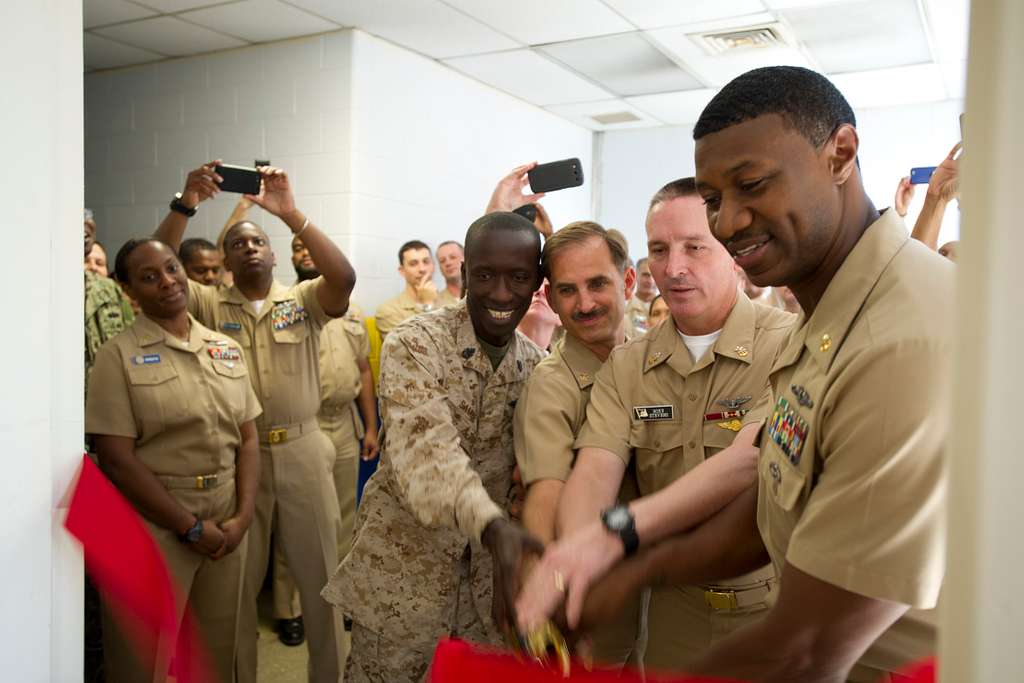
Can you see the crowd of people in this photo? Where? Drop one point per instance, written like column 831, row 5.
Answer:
column 725, row 459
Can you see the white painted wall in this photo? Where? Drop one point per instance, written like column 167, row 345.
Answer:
column 41, row 406
column 383, row 145
column 428, row 146
column 635, row 163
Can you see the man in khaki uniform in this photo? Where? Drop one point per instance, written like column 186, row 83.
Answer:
column 675, row 397
column 420, row 294
column 850, row 499
column 450, row 256
column 431, row 528
column 278, row 328
column 638, row 307
column 588, row 277
column 171, row 413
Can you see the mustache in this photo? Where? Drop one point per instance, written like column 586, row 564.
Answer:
column 580, row 316
column 679, row 282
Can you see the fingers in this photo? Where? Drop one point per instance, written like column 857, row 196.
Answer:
column 574, row 602
column 953, row 152
column 518, row 171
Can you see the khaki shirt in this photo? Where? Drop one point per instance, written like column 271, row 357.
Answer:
column 343, row 342
column 552, row 409
column 182, row 402
column 636, row 316
column 394, row 311
column 852, row 483
column 281, row 343
column 654, row 407
column 444, row 297
column 445, row 473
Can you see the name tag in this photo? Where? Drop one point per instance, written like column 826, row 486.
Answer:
column 231, row 326
column 653, row 413
column 147, row 359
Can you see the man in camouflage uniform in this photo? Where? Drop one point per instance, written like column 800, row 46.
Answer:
column 107, row 309
column 432, row 539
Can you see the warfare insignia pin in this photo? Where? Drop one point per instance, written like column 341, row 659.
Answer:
column 733, row 403
column 742, row 351
column 802, row 397
column 731, row 425
column 826, row 343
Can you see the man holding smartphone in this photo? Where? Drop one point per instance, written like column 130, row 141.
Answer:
column 279, row 328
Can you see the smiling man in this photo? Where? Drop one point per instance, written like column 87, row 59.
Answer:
column 432, row 529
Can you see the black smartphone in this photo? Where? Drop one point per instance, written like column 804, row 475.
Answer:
column 556, row 175
column 261, row 162
column 239, row 179
column 527, row 211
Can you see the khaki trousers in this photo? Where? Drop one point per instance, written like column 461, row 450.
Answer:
column 296, row 496
column 681, row 626
column 341, row 430
column 623, row 641
column 211, row 589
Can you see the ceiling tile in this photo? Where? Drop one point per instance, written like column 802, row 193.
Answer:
column 674, row 108
column 583, row 113
column 561, row 20
column 948, row 22
column 102, row 12
column 426, row 26
column 528, row 75
column 719, row 69
column 625, row 64
column 787, row 4
column 102, row 53
column 259, row 20
column 892, row 87
column 171, row 6
column 861, row 36
column 170, row 36
column 661, row 13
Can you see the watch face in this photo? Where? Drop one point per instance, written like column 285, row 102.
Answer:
column 618, row 518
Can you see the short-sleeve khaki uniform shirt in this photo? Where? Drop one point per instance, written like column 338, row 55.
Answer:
column 281, row 344
column 182, row 402
column 393, row 311
column 654, row 406
column 852, row 483
column 444, row 297
column 343, row 342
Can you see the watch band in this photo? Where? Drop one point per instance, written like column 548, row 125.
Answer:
column 176, row 205
column 619, row 520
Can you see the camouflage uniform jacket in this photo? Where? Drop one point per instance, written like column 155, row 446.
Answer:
column 445, row 473
column 107, row 313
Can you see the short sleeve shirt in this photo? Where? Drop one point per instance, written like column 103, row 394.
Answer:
column 182, row 402
column 343, row 342
column 852, row 483
column 393, row 311
column 281, row 343
column 653, row 404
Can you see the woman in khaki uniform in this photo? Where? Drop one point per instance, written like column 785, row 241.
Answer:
column 171, row 411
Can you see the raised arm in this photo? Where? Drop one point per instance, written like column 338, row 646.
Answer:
column 943, row 188
column 200, row 185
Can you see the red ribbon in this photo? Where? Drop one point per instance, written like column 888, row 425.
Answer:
column 456, row 661
column 130, row 573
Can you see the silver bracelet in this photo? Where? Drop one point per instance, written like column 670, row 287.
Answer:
column 305, row 224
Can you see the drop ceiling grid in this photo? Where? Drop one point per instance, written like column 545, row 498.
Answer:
column 494, row 28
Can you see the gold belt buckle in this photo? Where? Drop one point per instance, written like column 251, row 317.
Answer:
column 207, row 481
column 721, row 600
column 277, row 435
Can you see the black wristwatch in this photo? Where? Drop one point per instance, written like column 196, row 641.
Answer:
column 176, row 205
column 619, row 520
column 194, row 534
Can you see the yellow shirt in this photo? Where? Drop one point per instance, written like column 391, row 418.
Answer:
column 182, row 402
column 281, row 343
column 852, row 483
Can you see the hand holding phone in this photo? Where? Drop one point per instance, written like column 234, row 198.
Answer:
column 556, row 175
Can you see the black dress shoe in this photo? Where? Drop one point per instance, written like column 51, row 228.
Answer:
column 291, row 631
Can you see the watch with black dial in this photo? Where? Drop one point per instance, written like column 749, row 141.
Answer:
column 619, row 520
column 176, row 205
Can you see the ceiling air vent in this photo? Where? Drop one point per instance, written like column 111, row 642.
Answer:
column 751, row 38
column 616, row 117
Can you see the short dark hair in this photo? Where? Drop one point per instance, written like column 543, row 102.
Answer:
column 683, row 187
column 806, row 101
column 408, row 246
column 641, row 261
column 121, row 261
column 189, row 247
column 446, row 243
column 504, row 221
column 578, row 233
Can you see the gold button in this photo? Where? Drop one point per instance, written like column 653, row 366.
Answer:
column 657, row 444
column 742, row 351
column 826, row 343
column 692, row 397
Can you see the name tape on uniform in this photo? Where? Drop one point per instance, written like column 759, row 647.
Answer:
column 148, row 359
column 231, row 326
column 653, row 413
